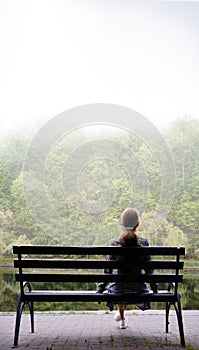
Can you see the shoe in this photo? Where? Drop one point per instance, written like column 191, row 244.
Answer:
column 123, row 324
column 117, row 316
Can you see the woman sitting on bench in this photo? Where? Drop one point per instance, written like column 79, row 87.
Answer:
column 128, row 238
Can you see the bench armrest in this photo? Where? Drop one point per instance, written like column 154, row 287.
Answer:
column 171, row 286
column 27, row 284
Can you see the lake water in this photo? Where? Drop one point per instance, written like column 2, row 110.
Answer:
column 189, row 291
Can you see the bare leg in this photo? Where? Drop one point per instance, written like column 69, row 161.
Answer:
column 122, row 308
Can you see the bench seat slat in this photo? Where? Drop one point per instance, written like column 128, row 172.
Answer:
column 61, row 296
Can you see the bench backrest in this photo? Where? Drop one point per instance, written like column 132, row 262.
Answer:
column 86, row 264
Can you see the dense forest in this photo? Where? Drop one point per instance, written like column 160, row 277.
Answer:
column 89, row 177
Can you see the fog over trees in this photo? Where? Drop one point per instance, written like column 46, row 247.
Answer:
column 88, row 208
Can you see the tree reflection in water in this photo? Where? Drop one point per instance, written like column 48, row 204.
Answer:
column 189, row 291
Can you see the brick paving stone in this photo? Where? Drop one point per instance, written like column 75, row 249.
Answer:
column 98, row 330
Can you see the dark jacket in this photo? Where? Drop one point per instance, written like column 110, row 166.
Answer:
column 127, row 287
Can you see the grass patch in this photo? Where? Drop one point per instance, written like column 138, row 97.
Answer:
column 191, row 263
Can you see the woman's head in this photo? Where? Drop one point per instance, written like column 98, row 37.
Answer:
column 130, row 219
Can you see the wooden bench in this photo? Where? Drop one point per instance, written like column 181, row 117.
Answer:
column 86, row 264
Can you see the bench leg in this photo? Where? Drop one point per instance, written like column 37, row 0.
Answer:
column 31, row 309
column 30, row 306
column 167, row 316
column 180, row 321
column 20, row 306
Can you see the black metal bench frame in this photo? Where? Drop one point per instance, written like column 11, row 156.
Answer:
column 38, row 264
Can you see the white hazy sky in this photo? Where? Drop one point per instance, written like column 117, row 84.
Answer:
column 58, row 54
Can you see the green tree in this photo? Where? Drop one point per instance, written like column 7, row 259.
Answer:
column 183, row 138
column 165, row 235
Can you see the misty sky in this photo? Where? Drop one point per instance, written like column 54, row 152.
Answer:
column 59, row 54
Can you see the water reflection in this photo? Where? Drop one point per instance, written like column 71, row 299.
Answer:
column 189, row 291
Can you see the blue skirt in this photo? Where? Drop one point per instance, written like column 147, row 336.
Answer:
column 129, row 288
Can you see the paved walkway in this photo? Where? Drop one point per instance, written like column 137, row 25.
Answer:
column 98, row 330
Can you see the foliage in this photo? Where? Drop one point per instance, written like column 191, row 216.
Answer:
column 183, row 138
column 165, row 235
column 88, row 199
